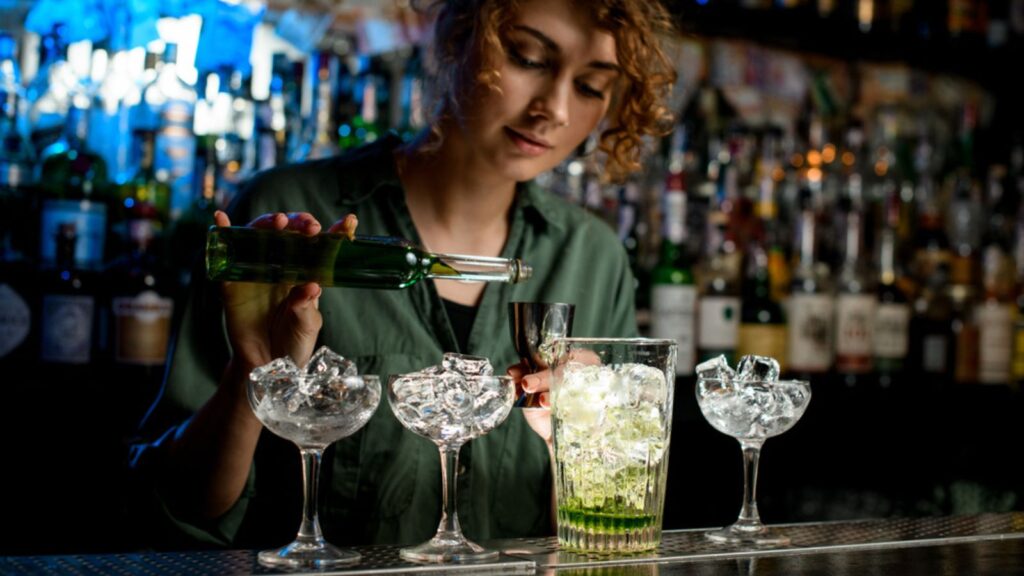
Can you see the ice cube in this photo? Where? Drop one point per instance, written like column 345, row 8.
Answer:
column 326, row 361
column 456, row 397
column 759, row 368
column 467, row 365
column 275, row 370
column 716, row 368
column 646, row 385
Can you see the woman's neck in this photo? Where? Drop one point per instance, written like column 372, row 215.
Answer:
column 455, row 204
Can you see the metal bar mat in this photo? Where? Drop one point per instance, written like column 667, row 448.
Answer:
column 691, row 545
column 376, row 560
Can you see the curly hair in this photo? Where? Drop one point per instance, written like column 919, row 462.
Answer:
column 468, row 39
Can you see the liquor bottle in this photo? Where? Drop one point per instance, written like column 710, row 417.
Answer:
column 855, row 298
column 965, row 332
column 188, row 234
column 73, row 180
column 366, row 125
column 413, row 117
column 322, row 141
column 811, row 311
column 49, row 92
column 931, row 336
column 149, row 186
column 110, row 129
column 631, row 229
column 995, row 318
column 718, row 315
column 253, row 255
column 762, row 328
column 171, row 102
column 271, row 128
column 673, row 291
column 68, row 328
column 892, row 309
column 141, row 310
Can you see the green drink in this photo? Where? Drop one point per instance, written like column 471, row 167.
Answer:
column 243, row 254
column 605, row 522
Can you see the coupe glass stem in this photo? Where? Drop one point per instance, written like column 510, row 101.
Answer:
column 449, row 516
column 309, row 530
column 750, row 520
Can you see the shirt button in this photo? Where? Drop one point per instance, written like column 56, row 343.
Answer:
column 462, row 469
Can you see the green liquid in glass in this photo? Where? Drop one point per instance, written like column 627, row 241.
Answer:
column 602, row 522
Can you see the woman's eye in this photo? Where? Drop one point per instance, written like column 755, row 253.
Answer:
column 589, row 91
column 524, row 61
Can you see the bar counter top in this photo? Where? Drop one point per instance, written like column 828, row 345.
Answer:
column 980, row 545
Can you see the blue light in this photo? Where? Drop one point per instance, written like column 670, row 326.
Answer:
column 702, row 2
column 65, row 275
column 129, row 202
column 344, row 130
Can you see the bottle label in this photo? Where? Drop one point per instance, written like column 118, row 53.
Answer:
column 855, row 324
column 719, row 322
column 142, row 328
column 995, row 337
column 892, row 327
column 90, row 220
column 763, row 340
column 965, row 367
column 15, row 320
column 810, row 332
column 933, row 353
column 67, row 329
column 175, row 149
column 673, row 316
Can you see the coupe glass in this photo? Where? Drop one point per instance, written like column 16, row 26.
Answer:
column 751, row 411
column 312, row 406
column 450, row 409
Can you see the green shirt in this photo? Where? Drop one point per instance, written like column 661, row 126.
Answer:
column 383, row 484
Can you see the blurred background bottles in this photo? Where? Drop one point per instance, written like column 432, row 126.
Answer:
column 852, row 210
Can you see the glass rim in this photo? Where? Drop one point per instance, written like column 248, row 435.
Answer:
column 468, row 377
column 635, row 341
column 777, row 381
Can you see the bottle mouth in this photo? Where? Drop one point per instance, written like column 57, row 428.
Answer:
column 523, row 272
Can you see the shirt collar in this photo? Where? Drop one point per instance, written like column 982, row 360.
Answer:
column 372, row 168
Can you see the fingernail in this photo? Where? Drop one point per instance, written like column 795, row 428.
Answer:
column 544, row 402
column 529, row 383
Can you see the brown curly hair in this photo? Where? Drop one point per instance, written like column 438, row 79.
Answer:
column 467, row 38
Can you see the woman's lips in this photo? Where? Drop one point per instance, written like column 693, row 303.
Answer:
column 526, row 144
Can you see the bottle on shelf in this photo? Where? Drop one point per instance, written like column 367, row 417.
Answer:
column 855, row 295
column 933, row 347
column 68, row 327
column 891, row 339
column 718, row 315
column 73, row 180
column 811, row 311
column 995, row 316
column 762, row 329
column 673, row 291
column 253, row 255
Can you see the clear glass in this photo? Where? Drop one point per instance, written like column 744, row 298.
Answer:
column 535, row 326
column 611, row 408
column 313, row 407
column 449, row 409
column 751, row 412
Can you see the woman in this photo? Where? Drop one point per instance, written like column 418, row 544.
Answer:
column 517, row 87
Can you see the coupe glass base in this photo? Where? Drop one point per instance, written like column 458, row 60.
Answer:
column 300, row 554
column 447, row 547
column 748, row 536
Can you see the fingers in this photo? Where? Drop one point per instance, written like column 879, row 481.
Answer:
column 537, row 382
column 517, row 371
column 346, row 226
column 299, row 322
column 220, row 218
column 302, row 222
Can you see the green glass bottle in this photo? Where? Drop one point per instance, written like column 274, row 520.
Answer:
column 251, row 255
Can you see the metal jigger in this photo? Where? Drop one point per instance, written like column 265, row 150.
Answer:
column 535, row 326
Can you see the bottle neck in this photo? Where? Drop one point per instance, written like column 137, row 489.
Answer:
column 475, row 268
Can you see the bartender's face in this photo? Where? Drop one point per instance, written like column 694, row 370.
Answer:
column 556, row 82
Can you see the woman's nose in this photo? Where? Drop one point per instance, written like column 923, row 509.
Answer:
column 552, row 101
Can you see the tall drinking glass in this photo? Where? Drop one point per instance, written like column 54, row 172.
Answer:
column 313, row 407
column 449, row 409
column 611, row 406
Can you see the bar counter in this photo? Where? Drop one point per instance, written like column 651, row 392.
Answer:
column 981, row 545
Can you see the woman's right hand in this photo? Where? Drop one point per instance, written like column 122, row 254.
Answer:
column 267, row 321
